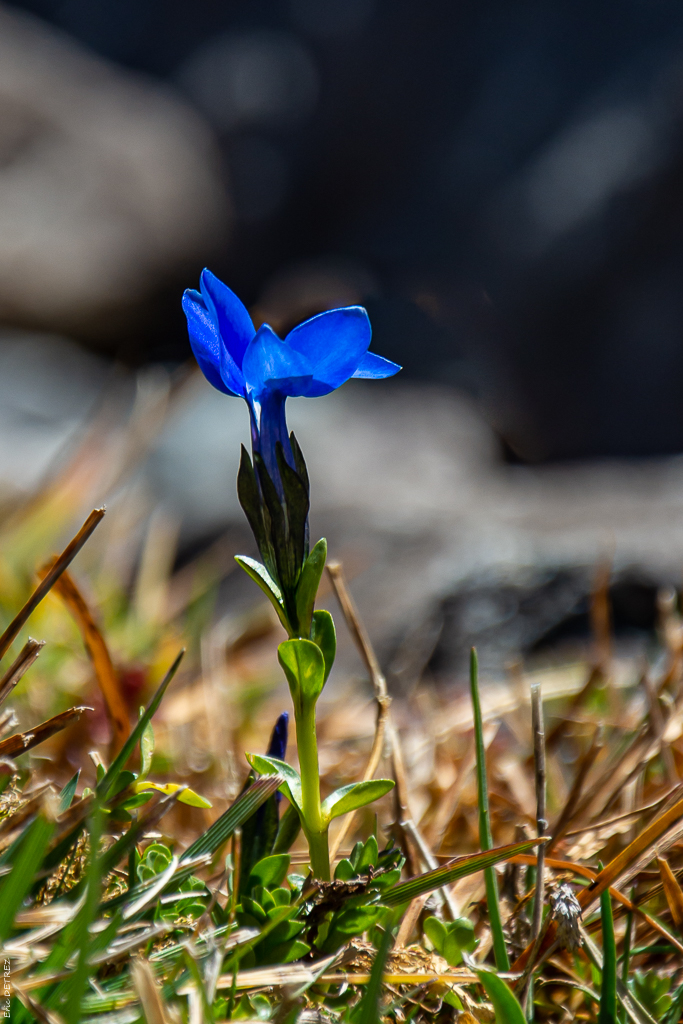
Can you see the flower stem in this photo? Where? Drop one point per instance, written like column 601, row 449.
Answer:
column 314, row 825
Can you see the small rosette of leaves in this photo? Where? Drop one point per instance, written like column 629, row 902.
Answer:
column 189, row 899
column 270, row 906
column 325, row 915
column 278, row 517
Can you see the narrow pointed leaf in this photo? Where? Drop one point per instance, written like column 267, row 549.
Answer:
column 146, row 750
column 260, row 575
column 67, row 794
column 290, row 783
column 458, row 868
column 106, row 787
column 357, row 794
column 324, row 635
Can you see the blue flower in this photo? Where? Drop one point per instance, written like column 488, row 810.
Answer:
column 315, row 358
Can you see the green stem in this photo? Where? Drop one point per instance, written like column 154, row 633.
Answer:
column 485, row 837
column 314, row 826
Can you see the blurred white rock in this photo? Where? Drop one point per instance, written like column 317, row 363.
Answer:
column 109, row 183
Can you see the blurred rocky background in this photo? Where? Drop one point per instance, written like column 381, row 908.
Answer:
column 501, row 186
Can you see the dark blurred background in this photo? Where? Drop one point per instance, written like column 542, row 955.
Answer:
column 501, row 184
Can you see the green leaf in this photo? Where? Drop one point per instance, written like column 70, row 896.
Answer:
column 307, row 587
column 270, row 871
column 27, row 859
column 344, row 871
column 324, row 635
column 458, row 868
column 68, row 793
column 288, row 952
column 368, row 856
column 505, row 1003
column 291, row 784
column 244, row 806
column 357, row 794
column 436, row 932
column 265, row 581
column 146, row 750
column 304, row 665
column 608, row 988
column 187, row 796
column 106, row 787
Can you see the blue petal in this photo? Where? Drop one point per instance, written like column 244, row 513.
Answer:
column 204, row 339
column 234, row 323
column 334, row 342
column 231, row 374
column 271, row 365
column 376, row 367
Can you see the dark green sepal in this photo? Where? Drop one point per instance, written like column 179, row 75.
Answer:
column 274, row 517
column 307, row 587
column 249, row 497
column 297, row 504
column 299, row 462
column 258, row 837
column 290, row 826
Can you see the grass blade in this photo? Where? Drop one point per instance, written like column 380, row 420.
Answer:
column 243, row 807
column 403, row 892
column 505, row 1003
column 485, row 837
column 107, row 784
column 29, row 855
column 608, row 989
column 369, row 1012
